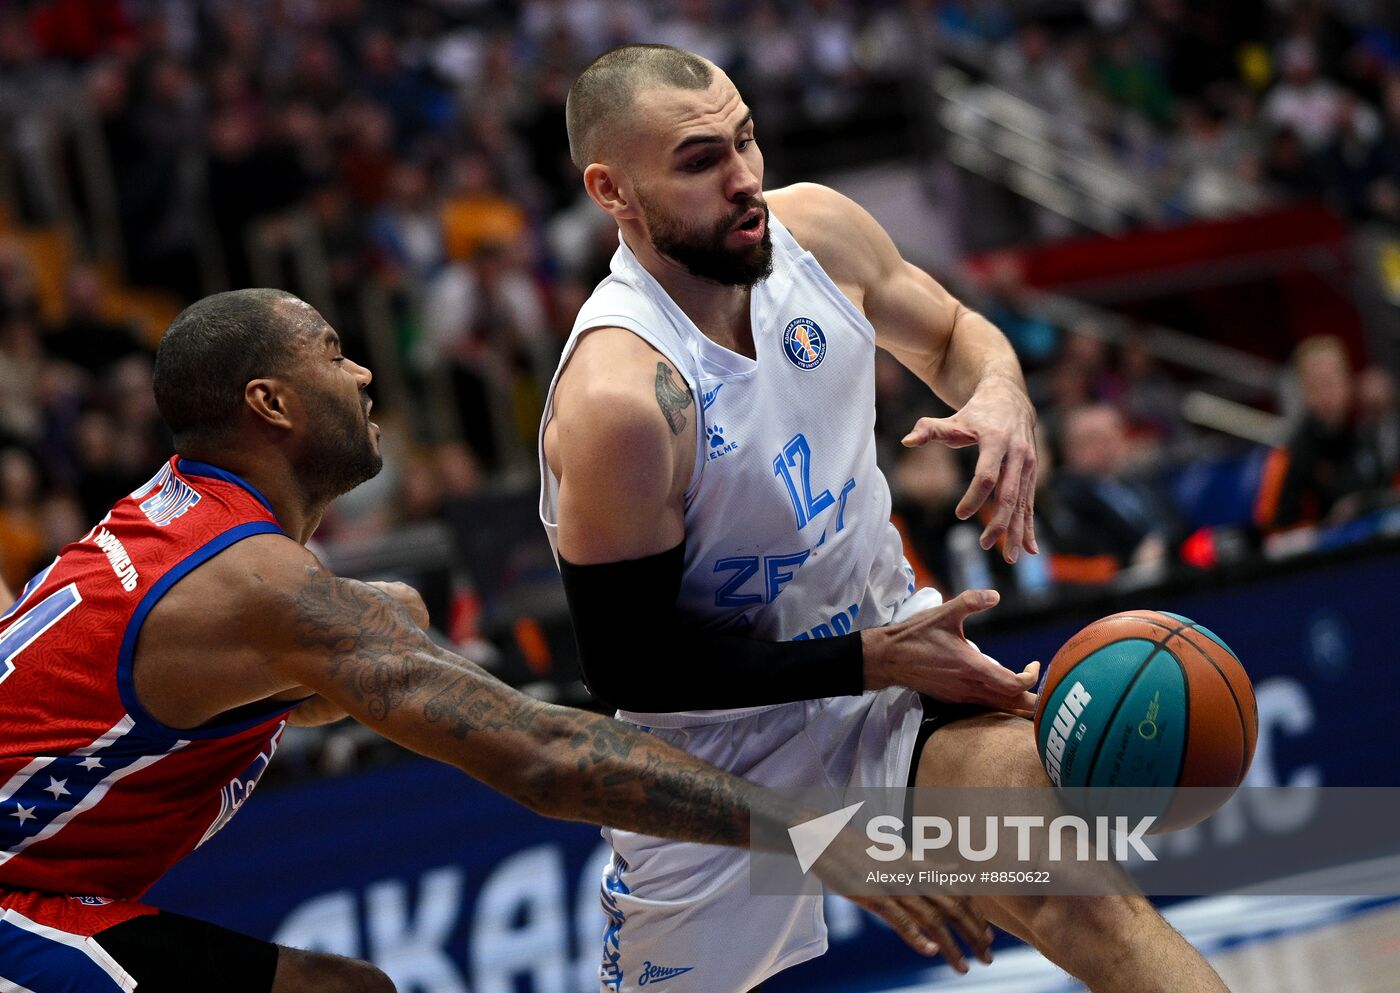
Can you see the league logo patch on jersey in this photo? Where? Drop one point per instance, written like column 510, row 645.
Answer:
column 804, row 343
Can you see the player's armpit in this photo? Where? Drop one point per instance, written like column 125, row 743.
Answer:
column 315, row 712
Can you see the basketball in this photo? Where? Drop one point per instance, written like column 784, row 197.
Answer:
column 1147, row 698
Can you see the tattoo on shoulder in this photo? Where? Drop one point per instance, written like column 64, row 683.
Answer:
column 673, row 397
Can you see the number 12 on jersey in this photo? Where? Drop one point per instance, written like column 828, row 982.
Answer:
column 797, row 455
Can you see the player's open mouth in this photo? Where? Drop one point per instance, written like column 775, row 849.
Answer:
column 751, row 228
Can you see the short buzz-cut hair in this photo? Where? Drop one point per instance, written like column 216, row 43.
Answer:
column 212, row 350
column 607, row 88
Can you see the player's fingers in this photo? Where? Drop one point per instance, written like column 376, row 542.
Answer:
column 984, row 481
column 970, row 924
column 941, row 429
column 1009, row 502
column 1024, row 705
column 1016, row 525
column 951, row 950
column 991, row 684
column 969, row 602
column 904, row 924
column 997, row 685
column 1022, row 524
column 1031, row 474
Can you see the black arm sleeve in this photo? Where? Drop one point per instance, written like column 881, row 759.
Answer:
column 637, row 653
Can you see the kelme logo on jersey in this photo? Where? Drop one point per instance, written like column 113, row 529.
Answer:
column 716, row 445
column 804, row 343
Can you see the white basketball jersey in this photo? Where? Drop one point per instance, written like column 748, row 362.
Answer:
column 787, row 515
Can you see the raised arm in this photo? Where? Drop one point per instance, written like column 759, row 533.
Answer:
column 957, row 352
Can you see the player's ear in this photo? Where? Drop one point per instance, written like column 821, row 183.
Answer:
column 269, row 401
column 604, row 184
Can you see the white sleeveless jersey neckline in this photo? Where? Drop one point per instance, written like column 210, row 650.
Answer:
column 787, row 515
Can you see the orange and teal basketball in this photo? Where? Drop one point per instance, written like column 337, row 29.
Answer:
column 1147, row 698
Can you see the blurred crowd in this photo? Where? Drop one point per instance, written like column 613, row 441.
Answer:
column 1218, row 108
column 1129, row 494
column 404, row 166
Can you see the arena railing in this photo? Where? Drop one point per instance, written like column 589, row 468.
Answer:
column 1003, row 138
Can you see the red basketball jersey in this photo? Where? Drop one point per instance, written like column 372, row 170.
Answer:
column 97, row 797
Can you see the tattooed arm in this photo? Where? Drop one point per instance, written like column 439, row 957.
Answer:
column 274, row 624
column 361, row 648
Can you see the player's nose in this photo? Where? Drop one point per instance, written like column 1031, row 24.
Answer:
column 744, row 183
column 361, row 373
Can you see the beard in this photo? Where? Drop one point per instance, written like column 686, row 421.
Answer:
column 344, row 455
column 703, row 253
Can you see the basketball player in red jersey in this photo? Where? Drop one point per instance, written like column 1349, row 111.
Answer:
column 147, row 674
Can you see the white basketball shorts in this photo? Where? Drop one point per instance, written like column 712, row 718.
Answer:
column 682, row 913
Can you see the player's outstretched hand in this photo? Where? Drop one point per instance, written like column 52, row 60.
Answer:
column 1000, row 420
column 925, row 920
column 931, row 654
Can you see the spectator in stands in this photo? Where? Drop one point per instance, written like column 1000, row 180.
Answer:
column 414, row 103
column 1355, row 159
column 101, row 474
column 1383, row 195
column 87, row 338
column 1104, row 513
column 1007, row 303
column 1031, row 67
column 487, row 325
column 1304, row 102
column 476, row 212
column 407, row 230
column 1290, row 170
column 1378, row 414
column 1218, row 163
column 1149, row 399
column 21, row 521
column 1327, row 467
column 21, row 375
column 1131, row 77
column 925, row 486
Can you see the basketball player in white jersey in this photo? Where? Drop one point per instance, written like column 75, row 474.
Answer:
column 711, row 490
